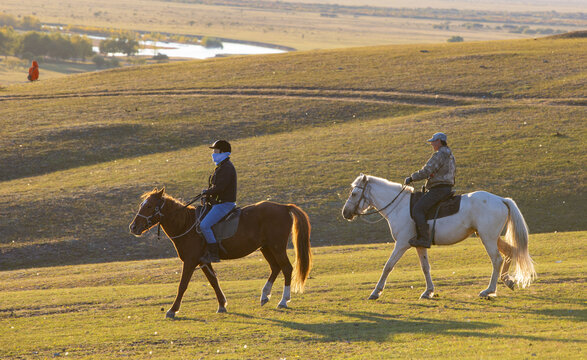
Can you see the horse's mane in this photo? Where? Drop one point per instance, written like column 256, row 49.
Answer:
column 381, row 181
column 166, row 196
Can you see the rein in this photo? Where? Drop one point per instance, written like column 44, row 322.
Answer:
column 376, row 210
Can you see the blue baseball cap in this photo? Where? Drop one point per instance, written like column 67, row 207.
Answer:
column 437, row 136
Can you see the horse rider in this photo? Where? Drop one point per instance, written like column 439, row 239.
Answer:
column 439, row 173
column 221, row 194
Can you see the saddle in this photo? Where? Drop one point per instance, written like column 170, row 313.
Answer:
column 226, row 227
column 450, row 205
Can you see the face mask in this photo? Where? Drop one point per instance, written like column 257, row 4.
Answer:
column 219, row 157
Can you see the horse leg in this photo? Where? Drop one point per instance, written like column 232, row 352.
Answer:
column 287, row 269
column 213, row 280
column 186, row 275
column 275, row 269
column 398, row 252
column 507, row 250
column 423, row 255
column 490, row 243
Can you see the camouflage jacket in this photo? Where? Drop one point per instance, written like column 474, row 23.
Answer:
column 439, row 170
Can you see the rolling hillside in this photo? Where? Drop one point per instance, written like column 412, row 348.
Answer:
column 77, row 152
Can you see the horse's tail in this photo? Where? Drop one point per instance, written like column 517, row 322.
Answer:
column 301, row 240
column 522, row 266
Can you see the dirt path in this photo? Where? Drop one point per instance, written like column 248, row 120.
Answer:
column 359, row 95
column 382, row 96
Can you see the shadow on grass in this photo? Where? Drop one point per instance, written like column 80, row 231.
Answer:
column 363, row 326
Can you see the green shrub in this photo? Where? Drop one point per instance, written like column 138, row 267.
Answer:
column 456, row 39
column 212, row 43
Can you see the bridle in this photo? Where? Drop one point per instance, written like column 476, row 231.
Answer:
column 362, row 197
column 158, row 222
column 155, row 213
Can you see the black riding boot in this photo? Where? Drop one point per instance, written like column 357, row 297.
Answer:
column 211, row 255
column 423, row 237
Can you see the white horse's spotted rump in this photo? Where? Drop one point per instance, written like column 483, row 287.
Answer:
column 481, row 212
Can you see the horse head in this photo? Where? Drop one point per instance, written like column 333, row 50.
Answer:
column 149, row 213
column 356, row 203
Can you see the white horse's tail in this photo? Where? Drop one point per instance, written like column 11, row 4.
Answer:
column 522, row 266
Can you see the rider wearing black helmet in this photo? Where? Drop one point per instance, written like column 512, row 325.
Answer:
column 439, row 173
column 221, row 194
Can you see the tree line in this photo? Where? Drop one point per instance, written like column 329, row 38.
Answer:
column 33, row 44
column 28, row 22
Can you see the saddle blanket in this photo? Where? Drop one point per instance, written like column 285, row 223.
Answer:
column 226, row 227
column 448, row 206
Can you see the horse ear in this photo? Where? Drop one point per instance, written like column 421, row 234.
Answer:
column 162, row 191
column 155, row 190
column 363, row 177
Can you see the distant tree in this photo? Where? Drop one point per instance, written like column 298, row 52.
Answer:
column 108, row 46
column 455, row 39
column 102, row 62
column 82, row 46
column 161, row 57
column 128, row 45
column 114, row 62
column 30, row 23
column 212, row 43
column 99, row 61
column 60, row 47
column 32, row 44
column 8, row 20
column 124, row 44
column 7, row 41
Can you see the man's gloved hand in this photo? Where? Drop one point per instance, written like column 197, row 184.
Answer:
column 408, row 180
column 204, row 192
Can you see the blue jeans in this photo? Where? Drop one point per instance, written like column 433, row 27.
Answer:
column 217, row 212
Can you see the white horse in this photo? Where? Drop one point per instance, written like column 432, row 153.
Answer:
column 480, row 212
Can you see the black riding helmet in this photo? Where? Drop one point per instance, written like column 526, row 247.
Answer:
column 222, row 145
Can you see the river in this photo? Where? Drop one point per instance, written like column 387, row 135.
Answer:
column 193, row 51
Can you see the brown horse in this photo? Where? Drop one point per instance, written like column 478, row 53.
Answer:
column 265, row 225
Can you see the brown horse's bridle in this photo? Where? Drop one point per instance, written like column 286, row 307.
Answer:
column 155, row 213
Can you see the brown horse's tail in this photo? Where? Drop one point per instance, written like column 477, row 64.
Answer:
column 301, row 240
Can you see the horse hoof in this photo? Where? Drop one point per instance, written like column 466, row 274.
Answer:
column 221, row 310
column 264, row 301
column 427, row 295
column 375, row 295
column 282, row 306
column 170, row 315
column 487, row 295
column 510, row 284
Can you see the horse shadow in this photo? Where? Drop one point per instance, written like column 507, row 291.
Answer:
column 373, row 326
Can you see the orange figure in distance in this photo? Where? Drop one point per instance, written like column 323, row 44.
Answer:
column 34, row 71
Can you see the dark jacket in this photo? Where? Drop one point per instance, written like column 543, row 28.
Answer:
column 222, row 184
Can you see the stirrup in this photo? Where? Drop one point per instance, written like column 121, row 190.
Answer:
column 420, row 241
column 208, row 258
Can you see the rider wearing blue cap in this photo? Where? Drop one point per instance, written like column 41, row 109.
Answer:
column 439, row 173
column 221, row 194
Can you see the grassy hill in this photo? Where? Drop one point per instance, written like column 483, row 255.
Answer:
column 77, row 152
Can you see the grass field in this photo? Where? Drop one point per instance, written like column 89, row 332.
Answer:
column 80, row 150
column 77, row 152
column 113, row 310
